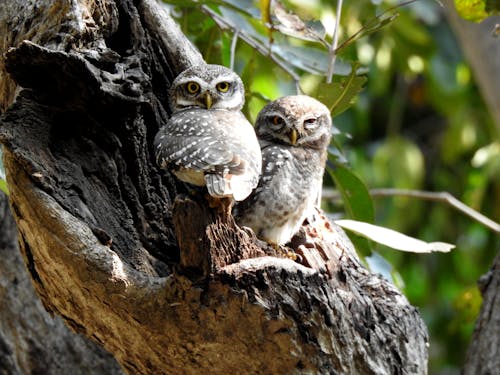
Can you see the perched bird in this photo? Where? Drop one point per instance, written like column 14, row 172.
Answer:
column 294, row 134
column 207, row 140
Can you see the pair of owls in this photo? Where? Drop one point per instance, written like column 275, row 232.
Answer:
column 208, row 142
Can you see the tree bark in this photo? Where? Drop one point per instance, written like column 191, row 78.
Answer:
column 483, row 355
column 31, row 340
column 127, row 257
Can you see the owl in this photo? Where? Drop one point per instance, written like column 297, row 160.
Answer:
column 208, row 141
column 294, row 134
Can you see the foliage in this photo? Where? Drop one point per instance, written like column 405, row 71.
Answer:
column 357, row 200
column 393, row 239
column 409, row 116
column 477, row 10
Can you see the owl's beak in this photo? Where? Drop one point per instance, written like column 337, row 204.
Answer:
column 208, row 100
column 293, row 135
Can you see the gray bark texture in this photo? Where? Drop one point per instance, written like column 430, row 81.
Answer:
column 483, row 355
column 31, row 340
column 121, row 250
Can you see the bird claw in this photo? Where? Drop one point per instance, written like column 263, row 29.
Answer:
column 287, row 252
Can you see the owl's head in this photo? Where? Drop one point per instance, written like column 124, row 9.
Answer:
column 207, row 87
column 297, row 120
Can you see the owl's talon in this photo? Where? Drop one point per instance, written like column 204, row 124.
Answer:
column 298, row 258
column 248, row 231
column 286, row 252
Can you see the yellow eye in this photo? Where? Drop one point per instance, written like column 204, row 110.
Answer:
column 192, row 87
column 222, row 86
column 277, row 120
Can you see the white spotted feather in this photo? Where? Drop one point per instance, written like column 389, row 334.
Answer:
column 214, row 147
column 292, row 173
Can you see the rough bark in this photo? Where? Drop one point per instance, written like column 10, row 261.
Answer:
column 483, row 355
column 124, row 256
column 31, row 340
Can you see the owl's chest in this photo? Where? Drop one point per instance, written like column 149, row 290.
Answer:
column 290, row 178
column 304, row 167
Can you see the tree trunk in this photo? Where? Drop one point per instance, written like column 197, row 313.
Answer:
column 32, row 341
column 125, row 257
column 483, row 355
column 482, row 51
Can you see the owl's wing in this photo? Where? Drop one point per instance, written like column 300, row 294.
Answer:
column 189, row 140
column 275, row 167
column 252, row 212
column 221, row 144
column 275, row 162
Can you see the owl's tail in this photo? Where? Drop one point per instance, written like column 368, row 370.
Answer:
column 236, row 186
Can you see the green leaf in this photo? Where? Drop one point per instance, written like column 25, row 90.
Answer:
column 3, row 186
column 477, row 10
column 265, row 11
column 357, row 200
column 251, row 30
column 393, row 239
column 339, row 96
column 290, row 24
column 245, row 24
column 225, row 51
column 350, row 86
column 243, row 6
column 310, row 59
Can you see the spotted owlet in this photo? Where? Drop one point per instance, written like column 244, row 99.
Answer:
column 207, row 140
column 294, row 134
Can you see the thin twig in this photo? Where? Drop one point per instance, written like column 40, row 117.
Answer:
column 335, row 41
column 233, row 49
column 443, row 196
column 370, row 22
column 225, row 25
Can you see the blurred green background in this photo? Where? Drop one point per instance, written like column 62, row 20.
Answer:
column 418, row 123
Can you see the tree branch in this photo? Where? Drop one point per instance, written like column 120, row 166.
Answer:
column 429, row 196
column 335, row 41
column 226, row 25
